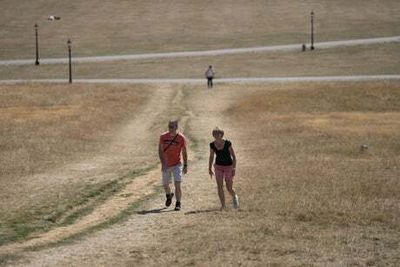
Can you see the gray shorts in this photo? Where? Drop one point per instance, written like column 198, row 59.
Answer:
column 175, row 171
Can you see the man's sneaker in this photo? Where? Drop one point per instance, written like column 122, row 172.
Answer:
column 235, row 201
column 178, row 205
column 169, row 199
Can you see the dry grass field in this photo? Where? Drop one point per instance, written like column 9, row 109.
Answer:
column 79, row 165
column 154, row 25
column 312, row 137
column 309, row 195
column 45, row 128
column 59, row 121
column 360, row 60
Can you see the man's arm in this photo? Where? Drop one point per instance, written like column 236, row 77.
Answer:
column 161, row 156
column 185, row 158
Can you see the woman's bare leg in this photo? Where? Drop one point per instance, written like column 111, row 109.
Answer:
column 220, row 186
column 229, row 187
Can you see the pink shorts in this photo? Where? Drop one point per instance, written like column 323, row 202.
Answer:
column 222, row 172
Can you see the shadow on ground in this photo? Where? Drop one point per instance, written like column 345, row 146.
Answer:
column 161, row 210
column 201, row 211
column 165, row 209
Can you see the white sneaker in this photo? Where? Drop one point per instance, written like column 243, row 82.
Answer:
column 235, row 201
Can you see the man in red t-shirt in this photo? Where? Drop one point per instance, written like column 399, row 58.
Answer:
column 171, row 145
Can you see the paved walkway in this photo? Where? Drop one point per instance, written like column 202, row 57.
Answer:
column 222, row 80
column 290, row 47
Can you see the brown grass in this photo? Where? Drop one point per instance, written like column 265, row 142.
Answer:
column 43, row 126
column 307, row 171
column 47, row 127
column 315, row 136
column 309, row 196
column 119, row 27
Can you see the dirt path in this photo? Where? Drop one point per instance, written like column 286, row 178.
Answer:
column 130, row 147
column 218, row 80
column 149, row 228
column 290, row 47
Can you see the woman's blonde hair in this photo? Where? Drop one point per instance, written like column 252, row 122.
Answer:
column 217, row 131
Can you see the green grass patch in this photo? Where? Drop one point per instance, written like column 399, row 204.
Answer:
column 7, row 258
column 20, row 226
column 121, row 217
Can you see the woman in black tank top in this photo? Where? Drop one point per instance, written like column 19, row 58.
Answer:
column 224, row 167
column 224, row 157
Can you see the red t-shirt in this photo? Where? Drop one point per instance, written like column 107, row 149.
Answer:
column 173, row 153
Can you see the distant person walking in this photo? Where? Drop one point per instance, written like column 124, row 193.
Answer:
column 172, row 144
column 210, row 76
column 224, row 167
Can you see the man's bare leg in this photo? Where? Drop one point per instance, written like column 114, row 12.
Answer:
column 221, row 194
column 169, row 195
column 178, row 191
column 167, row 189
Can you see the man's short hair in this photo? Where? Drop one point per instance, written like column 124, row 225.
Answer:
column 173, row 123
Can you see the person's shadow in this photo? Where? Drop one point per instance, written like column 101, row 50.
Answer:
column 161, row 210
column 201, row 211
column 165, row 209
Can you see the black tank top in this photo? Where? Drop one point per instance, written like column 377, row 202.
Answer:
column 223, row 156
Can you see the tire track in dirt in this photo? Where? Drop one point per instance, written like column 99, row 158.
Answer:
column 132, row 141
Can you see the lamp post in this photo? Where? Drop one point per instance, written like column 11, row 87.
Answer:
column 312, row 30
column 69, row 57
column 37, row 44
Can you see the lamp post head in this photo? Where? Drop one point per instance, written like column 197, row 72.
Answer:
column 36, row 26
column 312, row 13
column 69, row 43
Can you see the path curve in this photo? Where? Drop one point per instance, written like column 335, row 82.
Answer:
column 131, row 242
column 218, row 52
column 130, row 144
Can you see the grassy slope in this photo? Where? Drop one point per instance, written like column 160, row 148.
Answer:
column 118, row 27
column 314, row 177
column 58, row 122
column 316, row 134
column 309, row 197
column 45, row 127
column 313, row 145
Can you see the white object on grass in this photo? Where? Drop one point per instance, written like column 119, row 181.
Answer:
column 53, row 18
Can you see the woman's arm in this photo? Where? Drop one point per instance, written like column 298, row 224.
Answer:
column 233, row 155
column 210, row 162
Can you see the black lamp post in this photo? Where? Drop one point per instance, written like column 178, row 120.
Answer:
column 69, row 57
column 312, row 30
column 37, row 44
